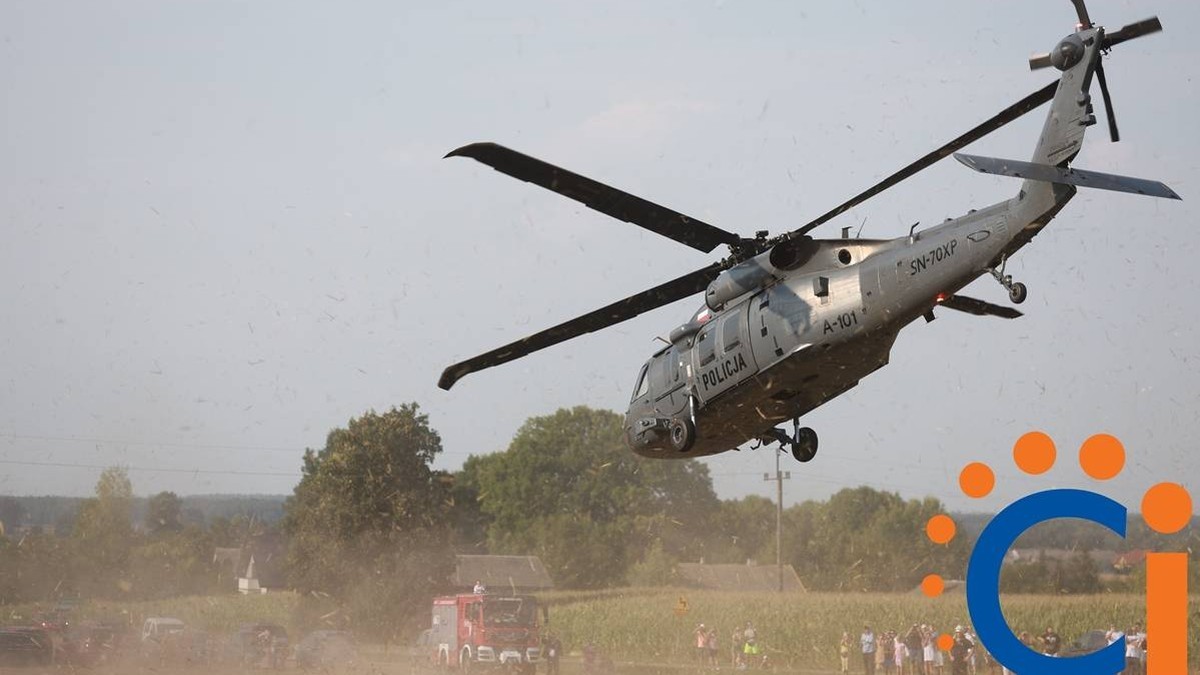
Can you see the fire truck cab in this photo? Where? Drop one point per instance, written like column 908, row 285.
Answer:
column 480, row 630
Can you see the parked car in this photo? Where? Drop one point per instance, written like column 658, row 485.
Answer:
column 1091, row 641
column 90, row 643
column 32, row 646
column 161, row 640
column 326, row 649
column 258, row 645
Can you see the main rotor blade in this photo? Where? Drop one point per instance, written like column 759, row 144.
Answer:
column 1005, row 116
column 1108, row 107
column 1133, row 30
column 979, row 307
column 607, row 200
column 622, row 310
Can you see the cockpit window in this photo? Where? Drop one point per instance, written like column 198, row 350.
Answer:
column 643, row 385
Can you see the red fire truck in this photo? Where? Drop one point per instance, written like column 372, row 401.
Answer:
column 483, row 630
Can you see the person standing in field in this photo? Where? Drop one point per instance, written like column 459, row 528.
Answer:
column 900, row 653
column 700, row 639
column 912, row 640
column 883, row 653
column 960, row 652
column 844, row 652
column 929, row 649
column 710, row 641
column 867, row 644
column 1135, row 643
column 736, row 642
column 1051, row 643
column 552, row 650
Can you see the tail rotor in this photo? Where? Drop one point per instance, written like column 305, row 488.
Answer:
column 1109, row 40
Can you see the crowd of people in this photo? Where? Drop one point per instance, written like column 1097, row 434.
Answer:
column 917, row 651
column 745, row 651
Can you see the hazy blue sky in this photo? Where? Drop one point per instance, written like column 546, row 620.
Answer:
column 227, row 226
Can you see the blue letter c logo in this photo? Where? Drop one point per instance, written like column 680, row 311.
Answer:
column 983, row 579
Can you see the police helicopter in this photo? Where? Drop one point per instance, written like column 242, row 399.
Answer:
column 790, row 322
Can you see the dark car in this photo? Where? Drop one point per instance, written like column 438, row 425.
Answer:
column 326, row 648
column 1091, row 641
column 26, row 647
column 258, row 645
column 91, row 643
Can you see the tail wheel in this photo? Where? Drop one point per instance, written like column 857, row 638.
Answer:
column 805, row 447
column 683, row 434
column 1017, row 293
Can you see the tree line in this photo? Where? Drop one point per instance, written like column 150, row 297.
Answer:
column 373, row 528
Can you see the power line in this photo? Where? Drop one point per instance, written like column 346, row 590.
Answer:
column 228, row 472
column 174, row 444
column 165, row 444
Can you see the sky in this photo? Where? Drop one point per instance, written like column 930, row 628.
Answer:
column 228, row 228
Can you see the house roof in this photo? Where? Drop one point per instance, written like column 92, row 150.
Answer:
column 749, row 577
column 497, row 572
column 1129, row 559
column 268, row 563
column 1102, row 558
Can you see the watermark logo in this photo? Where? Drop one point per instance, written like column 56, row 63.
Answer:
column 1166, row 508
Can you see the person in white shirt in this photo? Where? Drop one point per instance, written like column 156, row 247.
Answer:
column 1135, row 650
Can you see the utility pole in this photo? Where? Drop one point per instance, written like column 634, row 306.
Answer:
column 779, row 477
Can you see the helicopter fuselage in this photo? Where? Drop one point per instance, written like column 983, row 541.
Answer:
column 809, row 334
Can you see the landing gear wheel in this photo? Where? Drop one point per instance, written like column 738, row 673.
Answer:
column 805, row 447
column 683, row 434
column 1017, row 293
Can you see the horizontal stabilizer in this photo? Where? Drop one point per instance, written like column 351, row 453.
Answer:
column 1054, row 174
column 978, row 307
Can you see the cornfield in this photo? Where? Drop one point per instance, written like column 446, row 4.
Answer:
column 803, row 630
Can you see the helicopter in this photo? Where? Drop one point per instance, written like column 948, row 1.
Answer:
column 790, row 322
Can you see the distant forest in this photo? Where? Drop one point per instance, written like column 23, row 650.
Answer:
column 59, row 512
column 1070, row 534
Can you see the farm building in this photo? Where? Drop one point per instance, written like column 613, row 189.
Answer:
column 502, row 573
column 748, row 577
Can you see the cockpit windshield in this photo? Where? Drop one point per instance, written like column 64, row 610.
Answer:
column 643, row 384
column 509, row 611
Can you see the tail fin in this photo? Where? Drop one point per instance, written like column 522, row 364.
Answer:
column 1071, row 111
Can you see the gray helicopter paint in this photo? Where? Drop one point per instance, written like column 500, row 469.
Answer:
column 816, row 331
column 1054, row 174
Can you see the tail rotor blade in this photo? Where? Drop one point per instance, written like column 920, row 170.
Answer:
column 1081, row 10
column 1108, row 107
column 1133, row 30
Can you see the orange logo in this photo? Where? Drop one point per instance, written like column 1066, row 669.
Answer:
column 1166, row 509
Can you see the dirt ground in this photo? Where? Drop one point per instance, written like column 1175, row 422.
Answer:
column 372, row 666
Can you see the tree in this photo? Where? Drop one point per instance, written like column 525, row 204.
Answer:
column 656, row 568
column 367, row 522
column 163, row 512
column 173, row 563
column 12, row 514
column 570, row 492
column 103, row 534
column 865, row 539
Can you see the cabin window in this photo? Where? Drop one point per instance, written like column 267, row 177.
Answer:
column 706, row 347
column 731, row 331
column 643, row 385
